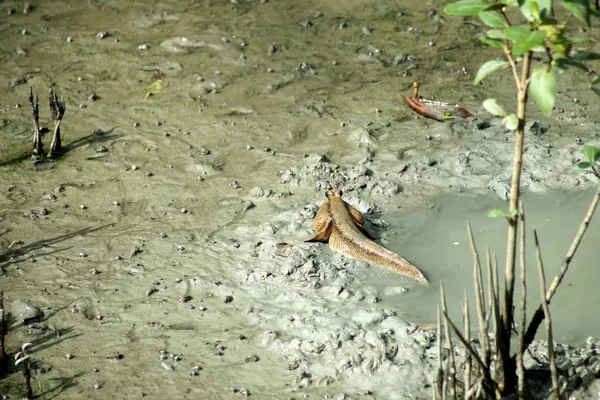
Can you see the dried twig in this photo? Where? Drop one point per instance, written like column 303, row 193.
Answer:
column 479, row 300
column 451, row 364
column 440, row 368
column 551, row 360
column 489, row 385
column 467, row 334
column 495, row 293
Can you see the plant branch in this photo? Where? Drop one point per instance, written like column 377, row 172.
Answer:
column 523, row 317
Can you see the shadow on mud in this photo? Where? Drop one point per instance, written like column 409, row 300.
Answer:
column 13, row 255
column 97, row 136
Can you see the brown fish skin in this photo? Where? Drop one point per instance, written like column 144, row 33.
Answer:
column 343, row 226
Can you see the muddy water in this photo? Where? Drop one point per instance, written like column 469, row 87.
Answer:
column 556, row 219
column 162, row 256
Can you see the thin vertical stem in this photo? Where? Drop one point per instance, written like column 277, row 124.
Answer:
column 523, row 316
column 3, row 358
column 479, row 300
column 451, row 364
column 551, row 360
column 515, row 190
column 467, row 335
column 496, row 314
column 440, row 369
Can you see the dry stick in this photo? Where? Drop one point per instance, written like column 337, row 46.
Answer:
column 451, row 361
column 495, row 288
column 440, row 369
column 507, row 311
column 538, row 317
column 489, row 385
column 57, row 109
column 467, row 333
column 479, row 300
column 553, row 372
column 38, row 148
column 523, row 317
column 493, row 301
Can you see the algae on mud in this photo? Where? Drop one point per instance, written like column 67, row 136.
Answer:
column 314, row 323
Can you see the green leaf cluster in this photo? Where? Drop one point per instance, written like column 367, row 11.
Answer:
column 538, row 33
column 592, row 154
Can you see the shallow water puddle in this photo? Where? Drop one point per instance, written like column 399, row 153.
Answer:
column 436, row 241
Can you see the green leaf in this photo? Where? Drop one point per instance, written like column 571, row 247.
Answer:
column 512, row 213
column 511, row 122
column 562, row 62
column 467, row 8
column 495, row 34
column 524, row 38
column 492, row 106
column 586, row 56
column 579, row 8
column 495, row 7
column 583, row 165
column 492, row 42
column 497, row 213
column 493, row 19
column 543, row 90
column 535, row 9
column 488, row 68
column 591, row 153
column 596, row 90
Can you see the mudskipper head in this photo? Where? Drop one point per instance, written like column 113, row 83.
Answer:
column 334, row 193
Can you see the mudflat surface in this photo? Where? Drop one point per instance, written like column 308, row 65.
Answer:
column 163, row 256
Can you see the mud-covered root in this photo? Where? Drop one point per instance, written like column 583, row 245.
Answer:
column 57, row 110
column 38, row 148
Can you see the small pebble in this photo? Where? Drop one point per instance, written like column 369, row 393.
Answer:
column 69, row 39
column 83, row 207
column 69, row 356
column 143, row 47
column 102, row 35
